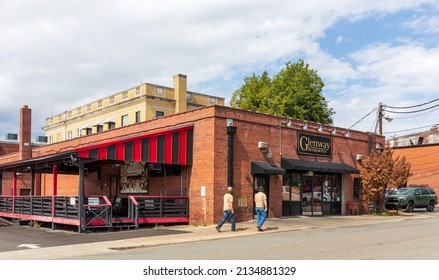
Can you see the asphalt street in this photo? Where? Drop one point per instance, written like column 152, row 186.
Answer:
column 24, row 242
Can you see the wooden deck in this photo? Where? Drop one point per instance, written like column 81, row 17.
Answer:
column 97, row 211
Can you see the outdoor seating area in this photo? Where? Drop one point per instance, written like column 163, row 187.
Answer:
column 98, row 212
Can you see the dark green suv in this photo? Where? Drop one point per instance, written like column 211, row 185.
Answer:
column 411, row 198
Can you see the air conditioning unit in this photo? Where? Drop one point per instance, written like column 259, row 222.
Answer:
column 41, row 139
column 12, row 136
column 262, row 145
column 360, row 157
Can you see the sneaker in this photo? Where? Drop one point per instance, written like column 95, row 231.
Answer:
column 217, row 229
column 259, row 228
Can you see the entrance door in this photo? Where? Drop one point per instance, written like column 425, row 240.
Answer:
column 312, row 195
column 260, row 180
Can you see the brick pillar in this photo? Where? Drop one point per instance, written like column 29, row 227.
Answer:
column 25, row 148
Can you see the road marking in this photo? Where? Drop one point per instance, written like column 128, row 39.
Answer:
column 30, row 246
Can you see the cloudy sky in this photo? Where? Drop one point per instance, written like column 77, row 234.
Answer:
column 57, row 55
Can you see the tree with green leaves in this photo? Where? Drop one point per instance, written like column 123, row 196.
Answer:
column 380, row 171
column 296, row 92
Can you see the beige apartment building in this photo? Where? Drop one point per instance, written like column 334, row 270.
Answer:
column 141, row 103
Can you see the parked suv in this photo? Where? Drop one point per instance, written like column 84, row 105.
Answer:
column 411, row 198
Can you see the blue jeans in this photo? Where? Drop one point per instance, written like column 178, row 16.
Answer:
column 227, row 215
column 262, row 215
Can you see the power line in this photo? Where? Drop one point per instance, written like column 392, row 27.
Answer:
column 411, row 117
column 411, row 129
column 409, row 112
column 362, row 118
column 408, row 107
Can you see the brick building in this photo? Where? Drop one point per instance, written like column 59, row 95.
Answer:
column 138, row 104
column 424, row 160
column 306, row 168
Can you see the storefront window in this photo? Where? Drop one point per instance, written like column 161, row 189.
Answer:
column 291, row 187
column 357, row 187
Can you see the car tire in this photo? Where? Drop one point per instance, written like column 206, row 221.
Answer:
column 430, row 206
column 410, row 207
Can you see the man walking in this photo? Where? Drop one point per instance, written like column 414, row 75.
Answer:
column 228, row 210
column 261, row 208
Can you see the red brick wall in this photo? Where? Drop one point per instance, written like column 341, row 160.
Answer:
column 8, row 148
column 424, row 162
column 209, row 169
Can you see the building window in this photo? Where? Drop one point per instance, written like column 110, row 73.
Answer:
column 124, row 120
column 69, row 134
column 137, row 116
column 111, row 125
column 88, row 131
column 212, row 100
column 357, row 187
column 188, row 96
column 78, row 132
column 99, row 128
column 160, row 90
column 125, row 95
column 51, row 139
column 159, row 114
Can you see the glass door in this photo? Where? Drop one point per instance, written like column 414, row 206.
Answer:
column 312, row 195
column 260, row 180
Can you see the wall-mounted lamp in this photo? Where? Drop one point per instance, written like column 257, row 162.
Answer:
column 269, row 154
column 348, row 134
column 305, row 126
column 309, row 173
column 290, row 123
column 320, row 128
column 229, row 122
column 334, row 132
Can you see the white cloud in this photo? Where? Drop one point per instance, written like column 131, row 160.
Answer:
column 56, row 55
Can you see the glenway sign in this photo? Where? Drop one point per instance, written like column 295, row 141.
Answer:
column 315, row 145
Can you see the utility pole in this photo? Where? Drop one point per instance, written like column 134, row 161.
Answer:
column 380, row 118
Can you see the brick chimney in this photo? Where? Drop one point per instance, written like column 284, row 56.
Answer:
column 25, row 148
column 180, row 92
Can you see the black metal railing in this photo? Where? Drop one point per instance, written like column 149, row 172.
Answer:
column 157, row 207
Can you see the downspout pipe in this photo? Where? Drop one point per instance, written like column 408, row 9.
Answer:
column 231, row 131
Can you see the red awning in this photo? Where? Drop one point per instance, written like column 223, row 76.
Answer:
column 173, row 146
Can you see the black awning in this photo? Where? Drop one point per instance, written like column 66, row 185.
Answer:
column 37, row 163
column 316, row 166
column 262, row 167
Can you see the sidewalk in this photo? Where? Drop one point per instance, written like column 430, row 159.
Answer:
column 202, row 233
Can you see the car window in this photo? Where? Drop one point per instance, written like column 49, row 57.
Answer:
column 425, row 191
column 404, row 191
